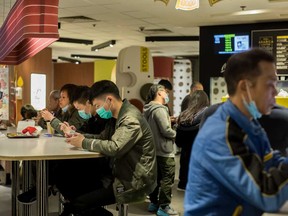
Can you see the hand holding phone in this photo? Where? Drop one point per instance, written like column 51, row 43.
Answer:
column 1, row 95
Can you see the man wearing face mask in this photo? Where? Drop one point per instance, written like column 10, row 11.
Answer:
column 85, row 179
column 130, row 145
column 233, row 170
column 158, row 118
column 93, row 123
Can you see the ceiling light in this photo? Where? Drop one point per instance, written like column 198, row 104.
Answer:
column 187, row 4
column 75, row 40
column 92, row 56
column 249, row 12
column 109, row 43
column 75, row 61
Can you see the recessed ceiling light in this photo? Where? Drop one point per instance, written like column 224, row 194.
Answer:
column 249, row 12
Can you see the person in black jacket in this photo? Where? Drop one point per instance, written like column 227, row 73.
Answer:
column 194, row 87
column 275, row 127
column 187, row 129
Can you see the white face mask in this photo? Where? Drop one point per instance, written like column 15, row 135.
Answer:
column 166, row 98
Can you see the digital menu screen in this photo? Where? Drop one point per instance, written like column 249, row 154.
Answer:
column 231, row 43
column 275, row 42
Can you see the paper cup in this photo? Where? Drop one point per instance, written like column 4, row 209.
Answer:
column 50, row 129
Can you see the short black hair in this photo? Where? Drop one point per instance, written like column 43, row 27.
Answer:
column 81, row 94
column 103, row 87
column 245, row 65
column 70, row 89
column 166, row 83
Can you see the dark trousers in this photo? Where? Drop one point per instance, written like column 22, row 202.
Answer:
column 76, row 177
column 165, row 180
column 93, row 200
column 184, row 167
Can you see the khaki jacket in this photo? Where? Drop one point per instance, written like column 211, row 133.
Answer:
column 133, row 151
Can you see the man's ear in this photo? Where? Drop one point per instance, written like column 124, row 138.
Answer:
column 242, row 85
column 109, row 98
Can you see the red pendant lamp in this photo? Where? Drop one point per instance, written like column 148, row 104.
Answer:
column 30, row 26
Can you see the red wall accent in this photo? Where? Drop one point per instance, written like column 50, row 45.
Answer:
column 163, row 66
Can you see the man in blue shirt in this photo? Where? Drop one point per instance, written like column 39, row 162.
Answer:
column 233, row 170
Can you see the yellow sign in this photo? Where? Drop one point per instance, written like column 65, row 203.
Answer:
column 165, row 1
column 187, row 4
column 20, row 82
column 212, row 2
column 144, row 59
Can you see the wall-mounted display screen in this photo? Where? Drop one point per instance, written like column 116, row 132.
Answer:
column 274, row 41
column 231, row 43
column 38, row 91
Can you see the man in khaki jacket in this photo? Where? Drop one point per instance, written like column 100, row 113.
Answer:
column 131, row 148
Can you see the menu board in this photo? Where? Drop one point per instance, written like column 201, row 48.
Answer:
column 275, row 42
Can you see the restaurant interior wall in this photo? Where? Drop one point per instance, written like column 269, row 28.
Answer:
column 78, row 74
column 40, row 63
column 104, row 70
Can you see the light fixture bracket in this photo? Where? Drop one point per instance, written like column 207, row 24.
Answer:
column 109, row 43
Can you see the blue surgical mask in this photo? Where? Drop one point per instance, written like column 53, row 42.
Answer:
column 84, row 115
column 251, row 106
column 64, row 109
column 104, row 114
column 166, row 99
column 252, row 109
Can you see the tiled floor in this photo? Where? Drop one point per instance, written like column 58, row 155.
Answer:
column 134, row 209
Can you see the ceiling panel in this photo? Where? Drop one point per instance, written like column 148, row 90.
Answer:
column 121, row 20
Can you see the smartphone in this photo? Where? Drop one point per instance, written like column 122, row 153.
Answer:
column 1, row 95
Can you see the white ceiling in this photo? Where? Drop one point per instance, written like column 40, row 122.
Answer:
column 120, row 20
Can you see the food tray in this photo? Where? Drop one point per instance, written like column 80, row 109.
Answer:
column 20, row 135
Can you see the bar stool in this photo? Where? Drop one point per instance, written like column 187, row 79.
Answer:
column 122, row 209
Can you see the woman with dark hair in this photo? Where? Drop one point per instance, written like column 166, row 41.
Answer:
column 187, row 129
column 69, row 113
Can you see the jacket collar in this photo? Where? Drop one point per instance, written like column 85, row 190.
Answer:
column 255, row 132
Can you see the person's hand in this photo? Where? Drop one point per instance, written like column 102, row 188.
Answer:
column 76, row 140
column 72, row 127
column 37, row 118
column 173, row 119
column 46, row 115
column 67, row 129
column 1, row 103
